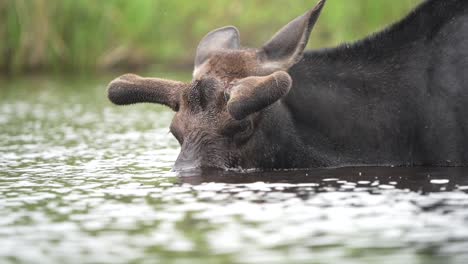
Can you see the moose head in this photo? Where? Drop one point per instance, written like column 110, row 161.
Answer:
column 227, row 116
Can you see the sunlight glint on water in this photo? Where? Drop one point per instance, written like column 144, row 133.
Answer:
column 82, row 181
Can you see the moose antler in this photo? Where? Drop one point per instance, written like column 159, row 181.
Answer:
column 252, row 94
column 132, row 89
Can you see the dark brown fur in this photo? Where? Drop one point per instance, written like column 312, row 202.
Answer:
column 398, row 98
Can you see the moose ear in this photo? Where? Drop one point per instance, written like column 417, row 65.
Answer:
column 220, row 39
column 287, row 46
column 132, row 89
column 253, row 94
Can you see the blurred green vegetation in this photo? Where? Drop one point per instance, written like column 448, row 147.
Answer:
column 90, row 35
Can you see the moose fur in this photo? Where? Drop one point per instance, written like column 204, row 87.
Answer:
column 398, row 97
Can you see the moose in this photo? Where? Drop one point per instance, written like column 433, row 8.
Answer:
column 396, row 98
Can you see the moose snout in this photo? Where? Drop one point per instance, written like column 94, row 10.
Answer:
column 187, row 160
column 182, row 164
column 201, row 151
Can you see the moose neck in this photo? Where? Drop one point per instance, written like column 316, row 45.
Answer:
column 276, row 143
column 356, row 104
column 341, row 98
column 363, row 104
column 338, row 99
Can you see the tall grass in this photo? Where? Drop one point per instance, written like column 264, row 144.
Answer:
column 87, row 35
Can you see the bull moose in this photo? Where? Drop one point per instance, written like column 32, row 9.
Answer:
column 398, row 97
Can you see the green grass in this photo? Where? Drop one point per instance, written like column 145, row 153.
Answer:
column 90, row 35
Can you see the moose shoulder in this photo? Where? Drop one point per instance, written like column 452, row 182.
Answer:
column 399, row 97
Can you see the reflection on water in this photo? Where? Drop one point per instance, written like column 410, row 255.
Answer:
column 82, row 181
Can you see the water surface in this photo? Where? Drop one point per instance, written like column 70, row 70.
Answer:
column 82, row 181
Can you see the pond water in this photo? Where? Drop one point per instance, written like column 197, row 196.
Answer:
column 82, row 181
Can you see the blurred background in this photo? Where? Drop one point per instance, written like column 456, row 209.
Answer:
column 88, row 36
column 84, row 181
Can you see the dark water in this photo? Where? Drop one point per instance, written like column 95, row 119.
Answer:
column 82, row 181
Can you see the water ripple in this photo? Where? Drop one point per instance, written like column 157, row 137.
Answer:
column 82, row 181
